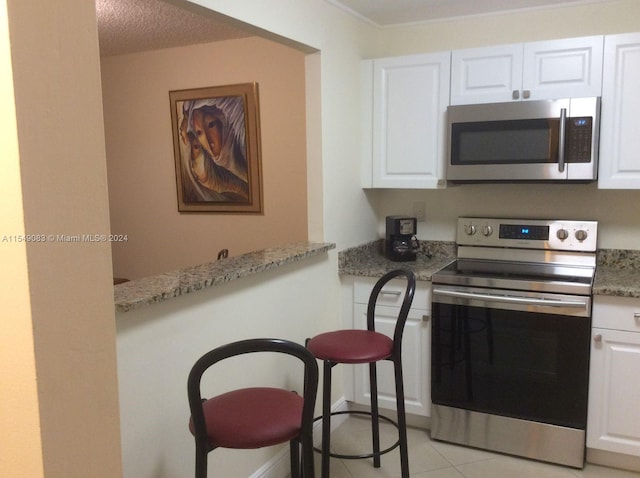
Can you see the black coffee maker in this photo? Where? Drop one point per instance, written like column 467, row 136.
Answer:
column 400, row 242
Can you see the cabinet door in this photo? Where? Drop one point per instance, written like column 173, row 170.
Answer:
column 410, row 98
column 486, row 75
column 415, row 360
column 568, row 68
column 532, row 71
column 614, row 389
column 620, row 130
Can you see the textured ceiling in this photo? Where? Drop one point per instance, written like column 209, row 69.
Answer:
column 128, row 26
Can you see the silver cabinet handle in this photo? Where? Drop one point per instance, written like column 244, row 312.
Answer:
column 526, row 94
column 597, row 338
column 515, row 94
column 636, row 315
column 391, row 292
column 425, row 318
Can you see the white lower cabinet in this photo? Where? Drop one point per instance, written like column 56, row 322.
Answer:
column 613, row 423
column 416, row 346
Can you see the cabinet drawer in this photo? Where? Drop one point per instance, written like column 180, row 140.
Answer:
column 392, row 293
column 619, row 313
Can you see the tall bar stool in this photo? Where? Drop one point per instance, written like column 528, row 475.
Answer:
column 367, row 347
column 254, row 417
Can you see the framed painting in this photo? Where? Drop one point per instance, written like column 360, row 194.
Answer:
column 216, row 143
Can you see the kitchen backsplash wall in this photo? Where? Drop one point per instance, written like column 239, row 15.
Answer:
column 617, row 211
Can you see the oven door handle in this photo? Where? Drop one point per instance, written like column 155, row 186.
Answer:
column 512, row 299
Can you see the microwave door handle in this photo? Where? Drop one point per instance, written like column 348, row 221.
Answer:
column 561, row 139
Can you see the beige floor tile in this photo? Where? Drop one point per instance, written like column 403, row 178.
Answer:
column 434, row 459
column 337, row 469
column 450, row 472
column 595, row 471
column 509, row 467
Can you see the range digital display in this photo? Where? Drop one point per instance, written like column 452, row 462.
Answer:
column 523, row 231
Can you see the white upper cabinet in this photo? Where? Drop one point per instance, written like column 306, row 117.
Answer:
column 404, row 122
column 620, row 134
column 486, row 75
column 566, row 68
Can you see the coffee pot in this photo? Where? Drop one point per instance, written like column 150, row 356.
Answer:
column 401, row 243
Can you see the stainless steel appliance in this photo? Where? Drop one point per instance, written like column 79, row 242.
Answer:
column 401, row 243
column 554, row 140
column 510, row 338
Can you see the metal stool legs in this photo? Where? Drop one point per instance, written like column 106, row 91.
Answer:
column 401, row 425
column 402, row 420
column 326, row 418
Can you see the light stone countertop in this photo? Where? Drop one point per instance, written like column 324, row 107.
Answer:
column 149, row 290
column 617, row 273
column 369, row 261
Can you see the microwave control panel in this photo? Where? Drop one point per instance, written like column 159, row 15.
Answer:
column 579, row 139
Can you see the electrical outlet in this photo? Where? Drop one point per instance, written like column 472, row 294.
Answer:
column 419, row 212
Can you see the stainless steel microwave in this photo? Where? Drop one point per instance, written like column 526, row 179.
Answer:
column 549, row 140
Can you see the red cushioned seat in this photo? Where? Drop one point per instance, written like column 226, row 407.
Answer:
column 351, row 346
column 255, row 417
column 252, row 418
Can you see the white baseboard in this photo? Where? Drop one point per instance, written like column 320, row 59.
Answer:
column 279, row 466
column 613, row 460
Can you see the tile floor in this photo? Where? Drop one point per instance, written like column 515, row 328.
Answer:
column 432, row 459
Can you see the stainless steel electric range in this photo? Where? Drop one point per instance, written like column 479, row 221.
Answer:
column 510, row 338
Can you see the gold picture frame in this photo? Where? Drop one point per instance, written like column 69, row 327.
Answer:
column 216, row 142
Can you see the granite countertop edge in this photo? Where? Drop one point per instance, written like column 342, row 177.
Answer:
column 150, row 290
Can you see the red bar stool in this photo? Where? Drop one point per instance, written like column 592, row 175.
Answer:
column 254, row 417
column 367, row 346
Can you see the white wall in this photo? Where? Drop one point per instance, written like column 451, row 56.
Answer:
column 158, row 344
column 617, row 212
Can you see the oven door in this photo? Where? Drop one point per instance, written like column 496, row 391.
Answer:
column 510, row 353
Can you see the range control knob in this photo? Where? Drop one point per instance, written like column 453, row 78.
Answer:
column 581, row 234
column 487, row 230
column 562, row 234
column 469, row 229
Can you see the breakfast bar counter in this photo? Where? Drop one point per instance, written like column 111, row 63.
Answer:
column 149, row 290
